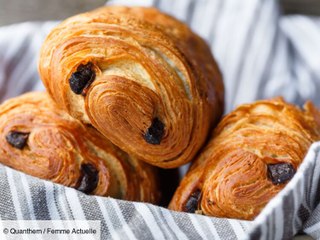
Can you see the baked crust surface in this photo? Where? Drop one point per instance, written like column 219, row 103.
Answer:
column 38, row 138
column 253, row 153
column 148, row 67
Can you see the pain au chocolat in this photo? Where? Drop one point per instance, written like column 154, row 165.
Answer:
column 140, row 77
column 253, row 153
column 38, row 138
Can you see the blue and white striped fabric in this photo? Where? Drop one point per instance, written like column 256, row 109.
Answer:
column 261, row 54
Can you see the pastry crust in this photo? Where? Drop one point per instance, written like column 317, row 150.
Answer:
column 59, row 148
column 236, row 175
column 143, row 67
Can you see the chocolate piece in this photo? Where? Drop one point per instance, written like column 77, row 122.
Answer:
column 17, row 139
column 155, row 132
column 90, row 178
column 82, row 78
column 280, row 173
column 192, row 203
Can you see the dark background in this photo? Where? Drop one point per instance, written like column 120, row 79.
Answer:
column 13, row 11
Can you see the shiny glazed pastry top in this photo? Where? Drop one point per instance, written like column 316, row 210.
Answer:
column 41, row 140
column 140, row 77
column 254, row 152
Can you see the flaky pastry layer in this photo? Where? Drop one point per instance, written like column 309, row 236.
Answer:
column 38, row 138
column 253, row 153
column 140, row 77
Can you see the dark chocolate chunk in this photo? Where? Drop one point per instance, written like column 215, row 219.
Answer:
column 192, row 203
column 155, row 132
column 17, row 139
column 82, row 78
column 90, row 178
column 280, row 173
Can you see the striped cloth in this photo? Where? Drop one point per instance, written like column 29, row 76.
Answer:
column 261, row 54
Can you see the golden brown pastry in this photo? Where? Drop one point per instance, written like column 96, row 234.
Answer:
column 254, row 152
column 41, row 140
column 140, row 77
